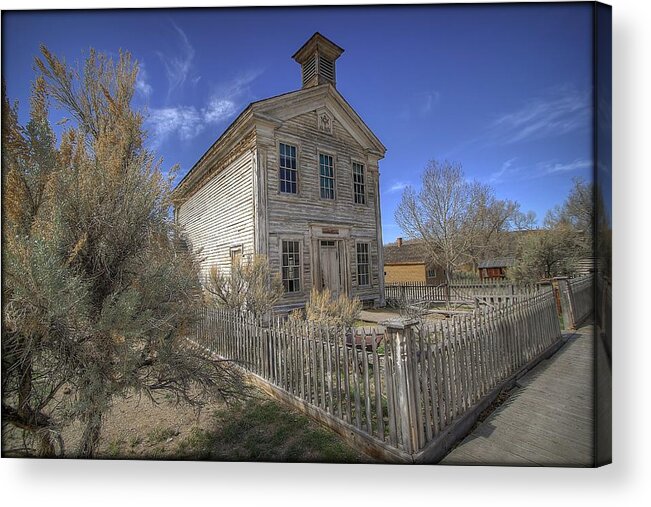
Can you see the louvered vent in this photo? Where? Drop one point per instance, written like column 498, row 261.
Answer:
column 317, row 58
column 327, row 69
column 309, row 70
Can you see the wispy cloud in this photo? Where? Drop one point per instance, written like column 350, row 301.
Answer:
column 142, row 84
column 419, row 104
column 430, row 100
column 397, row 187
column 218, row 109
column 509, row 171
column 548, row 168
column 504, row 171
column 563, row 111
column 188, row 122
column 556, row 112
column 179, row 66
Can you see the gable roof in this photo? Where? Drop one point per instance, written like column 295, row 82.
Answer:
column 499, row 262
column 411, row 252
column 275, row 110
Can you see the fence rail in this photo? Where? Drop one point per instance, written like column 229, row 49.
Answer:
column 466, row 291
column 400, row 389
column 577, row 299
column 396, row 293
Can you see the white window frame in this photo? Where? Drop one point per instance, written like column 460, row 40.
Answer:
column 354, row 162
column 334, row 174
column 299, row 241
column 368, row 263
column 295, row 145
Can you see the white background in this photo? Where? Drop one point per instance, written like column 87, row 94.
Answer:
column 626, row 482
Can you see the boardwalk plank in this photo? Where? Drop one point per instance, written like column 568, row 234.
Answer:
column 548, row 419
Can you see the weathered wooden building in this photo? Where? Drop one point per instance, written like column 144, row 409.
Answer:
column 295, row 178
column 495, row 269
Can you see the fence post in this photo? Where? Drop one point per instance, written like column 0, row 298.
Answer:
column 561, row 285
column 398, row 332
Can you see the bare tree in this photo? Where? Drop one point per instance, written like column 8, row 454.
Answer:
column 457, row 219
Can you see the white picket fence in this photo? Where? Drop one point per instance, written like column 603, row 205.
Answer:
column 400, row 389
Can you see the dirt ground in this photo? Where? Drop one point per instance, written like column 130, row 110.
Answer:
column 259, row 429
column 375, row 316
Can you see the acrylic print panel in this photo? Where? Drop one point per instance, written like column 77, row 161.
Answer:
column 377, row 234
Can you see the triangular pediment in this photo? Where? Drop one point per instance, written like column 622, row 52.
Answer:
column 330, row 107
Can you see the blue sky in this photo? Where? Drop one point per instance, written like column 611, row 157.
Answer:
column 506, row 90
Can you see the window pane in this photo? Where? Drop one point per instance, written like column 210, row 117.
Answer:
column 287, row 173
column 359, row 190
column 363, row 271
column 327, row 176
column 291, row 266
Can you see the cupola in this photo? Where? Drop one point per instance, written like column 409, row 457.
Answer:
column 317, row 59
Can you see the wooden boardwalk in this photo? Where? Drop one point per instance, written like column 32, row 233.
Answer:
column 547, row 420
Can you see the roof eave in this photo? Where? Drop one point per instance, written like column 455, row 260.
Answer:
column 238, row 127
column 380, row 149
column 329, row 47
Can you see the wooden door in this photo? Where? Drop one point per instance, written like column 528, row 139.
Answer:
column 330, row 275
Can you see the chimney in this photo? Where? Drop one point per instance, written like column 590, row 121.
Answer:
column 317, row 60
column 399, row 242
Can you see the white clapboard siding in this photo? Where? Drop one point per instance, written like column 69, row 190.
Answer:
column 219, row 215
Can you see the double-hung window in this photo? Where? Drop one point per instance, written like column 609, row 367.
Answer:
column 363, row 271
column 359, row 189
column 327, row 176
column 288, row 175
column 291, row 266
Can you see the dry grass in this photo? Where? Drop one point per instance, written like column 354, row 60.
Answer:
column 259, row 429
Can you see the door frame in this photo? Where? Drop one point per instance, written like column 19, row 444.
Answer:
column 336, row 285
column 340, row 234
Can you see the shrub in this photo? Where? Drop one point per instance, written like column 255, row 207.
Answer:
column 250, row 286
column 323, row 308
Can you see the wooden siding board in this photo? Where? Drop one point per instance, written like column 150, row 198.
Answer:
column 220, row 214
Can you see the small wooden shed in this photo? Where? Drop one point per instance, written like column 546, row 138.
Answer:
column 495, row 269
